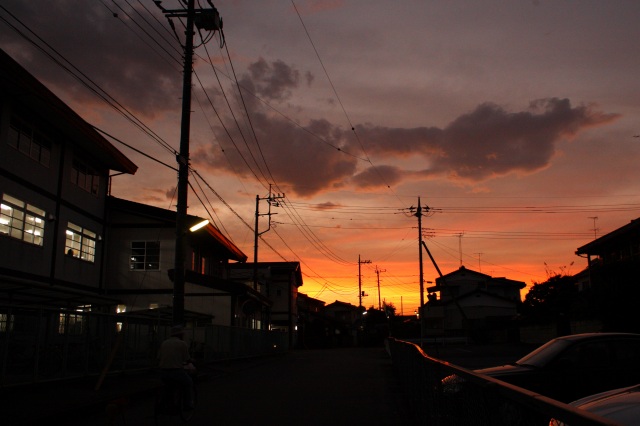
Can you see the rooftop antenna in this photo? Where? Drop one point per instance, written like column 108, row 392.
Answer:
column 460, row 235
column 595, row 229
column 479, row 266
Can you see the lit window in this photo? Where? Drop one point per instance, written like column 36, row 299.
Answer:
column 29, row 140
column 120, row 309
column 74, row 323
column 145, row 256
column 80, row 243
column 21, row 220
column 6, row 323
column 85, row 177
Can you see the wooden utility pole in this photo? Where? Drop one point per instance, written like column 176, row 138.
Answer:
column 378, row 274
column 208, row 20
column 419, row 216
column 272, row 200
column 360, row 292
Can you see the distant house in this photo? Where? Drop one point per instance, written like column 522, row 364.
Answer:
column 278, row 282
column 346, row 322
column 313, row 324
column 467, row 302
column 141, row 243
column 54, row 173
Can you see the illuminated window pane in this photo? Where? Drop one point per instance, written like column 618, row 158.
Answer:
column 21, row 220
column 80, row 243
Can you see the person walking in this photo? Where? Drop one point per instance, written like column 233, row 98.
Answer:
column 173, row 356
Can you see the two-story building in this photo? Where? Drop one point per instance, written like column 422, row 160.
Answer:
column 54, row 172
column 139, row 271
column 467, row 302
column 82, row 273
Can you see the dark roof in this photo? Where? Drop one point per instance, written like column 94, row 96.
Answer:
column 310, row 299
column 19, row 84
column 490, row 280
column 468, row 294
column 614, row 238
column 344, row 305
column 24, row 291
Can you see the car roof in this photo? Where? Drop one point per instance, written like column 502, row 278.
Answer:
column 586, row 336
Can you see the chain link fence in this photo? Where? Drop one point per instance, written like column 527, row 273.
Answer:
column 440, row 393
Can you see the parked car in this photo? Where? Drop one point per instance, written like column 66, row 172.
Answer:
column 571, row 367
column 620, row 405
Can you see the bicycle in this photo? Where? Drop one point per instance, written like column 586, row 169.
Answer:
column 170, row 400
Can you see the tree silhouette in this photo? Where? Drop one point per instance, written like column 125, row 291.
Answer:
column 551, row 300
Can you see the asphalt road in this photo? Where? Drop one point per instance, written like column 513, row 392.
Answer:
column 317, row 387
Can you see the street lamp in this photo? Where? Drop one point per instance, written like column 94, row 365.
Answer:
column 197, row 226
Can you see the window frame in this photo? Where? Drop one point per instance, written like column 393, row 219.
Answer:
column 74, row 323
column 29, row 139
column 21, row 220
column 84, row 246
column 85, row 177
column 139, row 256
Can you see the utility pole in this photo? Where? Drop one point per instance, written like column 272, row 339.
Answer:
column 209, row 20
column 378, row 274
column 360, row 292
column 272, row 200
column 419, row 216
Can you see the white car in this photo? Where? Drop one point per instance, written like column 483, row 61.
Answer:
column 620, row 405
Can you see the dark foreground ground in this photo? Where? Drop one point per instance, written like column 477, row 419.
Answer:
column 347, row 386
column 324, row 387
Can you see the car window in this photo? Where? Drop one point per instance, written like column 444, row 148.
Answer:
column 544, row 354
column 587, row 355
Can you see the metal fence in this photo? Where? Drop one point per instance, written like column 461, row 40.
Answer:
column 440, row 393
column 38, row 345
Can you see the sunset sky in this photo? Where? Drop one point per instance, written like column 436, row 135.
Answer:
column 513, row 121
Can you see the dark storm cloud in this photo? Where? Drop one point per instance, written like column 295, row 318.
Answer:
column 274, row 81
column 102, row 47
column 377, row 176
column 484, row 143
column 303, row 159
column 489, row 141
column 294, row 158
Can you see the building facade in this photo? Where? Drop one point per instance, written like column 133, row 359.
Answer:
column 53, row 187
